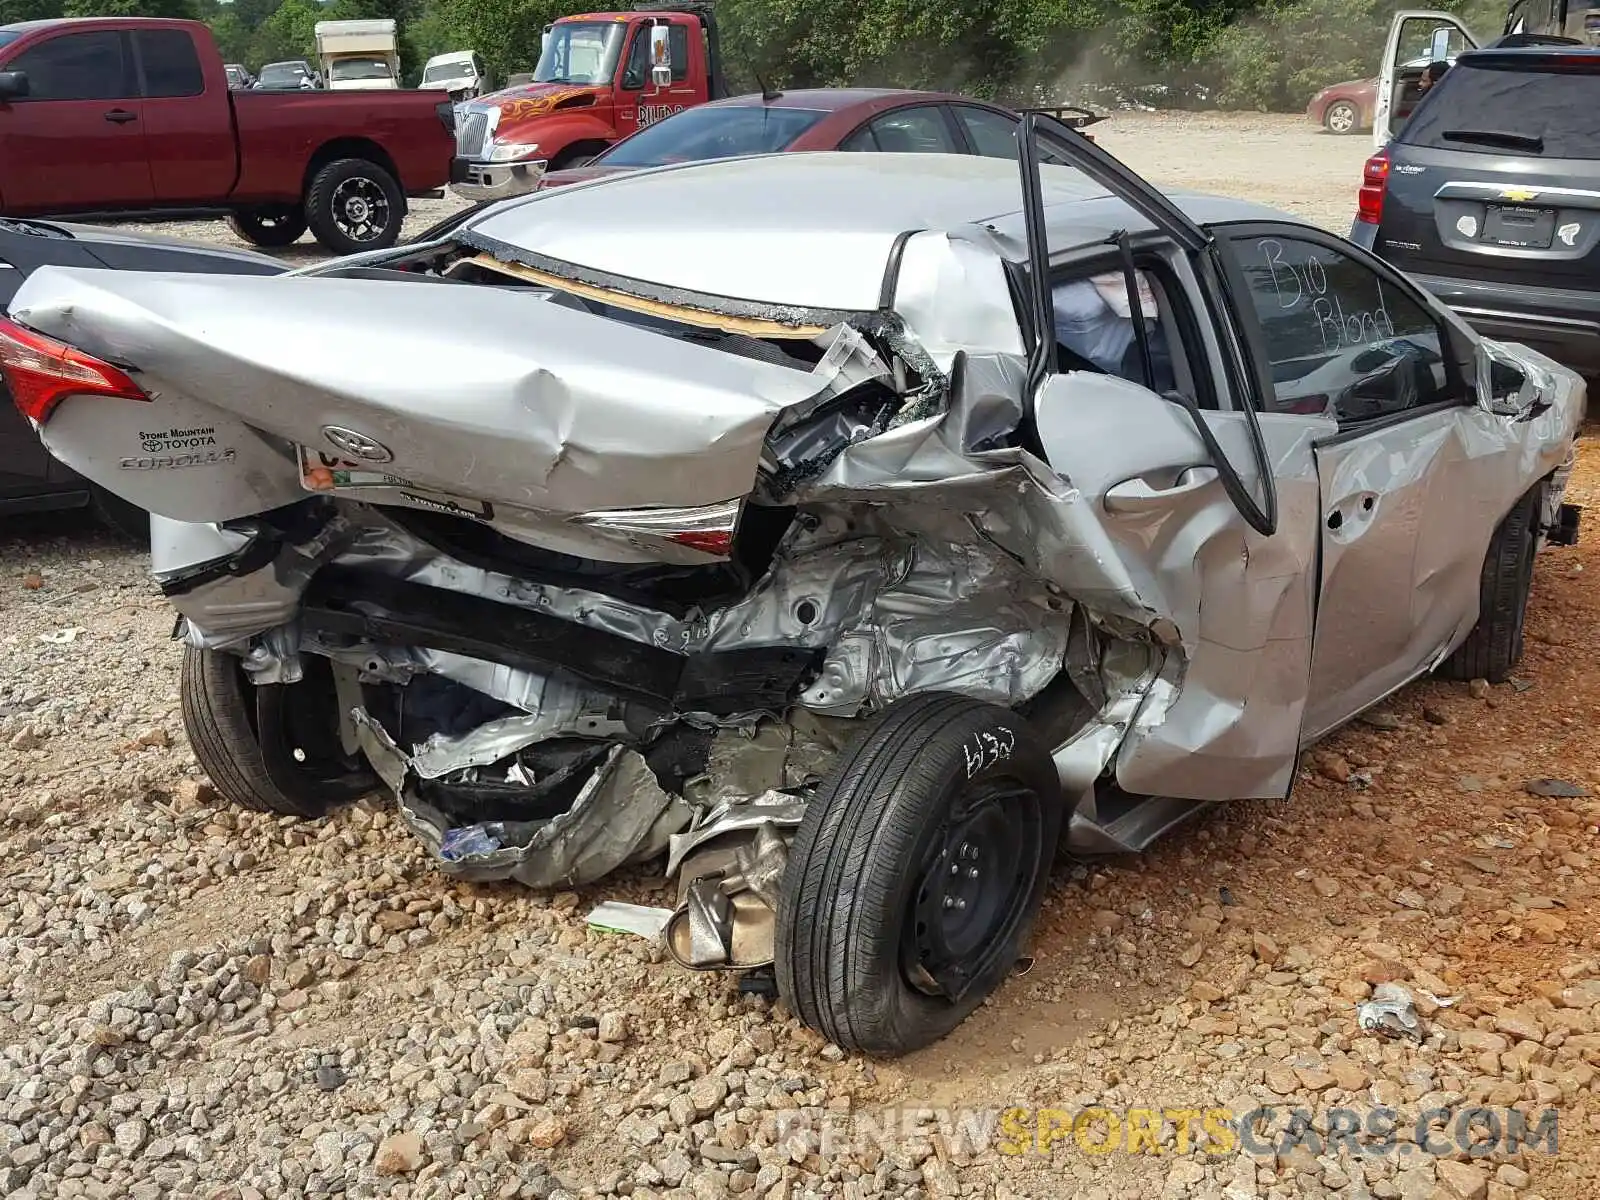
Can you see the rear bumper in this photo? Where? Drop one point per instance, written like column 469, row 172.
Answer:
column 1561, row 322
column 477, row 181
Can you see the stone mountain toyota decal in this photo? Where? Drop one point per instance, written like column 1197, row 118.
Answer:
column 174, row 449
column 357, row 444
column 198, row 438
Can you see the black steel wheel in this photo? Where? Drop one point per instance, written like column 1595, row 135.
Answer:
column 355, row 205
column 271, row 749
column 1494, row 646
column 915, row 877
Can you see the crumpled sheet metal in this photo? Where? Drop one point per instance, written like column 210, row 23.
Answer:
column 737, row 815
column 620, row 816
column 542, row 406
column 560, row 711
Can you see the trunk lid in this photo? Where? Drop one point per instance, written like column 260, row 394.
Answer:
column 1498, row 177
column 495, row 395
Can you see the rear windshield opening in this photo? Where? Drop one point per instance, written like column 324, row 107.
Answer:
column 1544, row 109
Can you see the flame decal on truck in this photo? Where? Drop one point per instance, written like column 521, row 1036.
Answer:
column 525, row 107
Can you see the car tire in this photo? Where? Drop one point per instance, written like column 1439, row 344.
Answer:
column 566, row 161
column 1494, row 646
column 121, row 516
column 869, row 902
column 272, row 226
column 1341, row 117
column 353, row 205
column 272, row 748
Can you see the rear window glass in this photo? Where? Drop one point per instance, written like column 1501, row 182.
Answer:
column 171, row 65
column 707, row 132
column 1546, row 112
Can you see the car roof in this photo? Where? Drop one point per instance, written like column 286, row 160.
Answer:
column 828, row 99
column 813, row 229
column 1513, row 54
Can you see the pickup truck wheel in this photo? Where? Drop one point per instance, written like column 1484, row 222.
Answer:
column 916, row 874
column 355, row 205
column 271, row 225
column 1494, row 646
column 270, row 749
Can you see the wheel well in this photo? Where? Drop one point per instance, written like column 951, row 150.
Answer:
column 589, row 146
column 350, row 148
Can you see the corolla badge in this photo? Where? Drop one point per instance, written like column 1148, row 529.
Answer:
column 357, row 445
column 1568, row 233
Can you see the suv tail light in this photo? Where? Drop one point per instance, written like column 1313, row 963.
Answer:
column 1374, row 179
column 42, row 372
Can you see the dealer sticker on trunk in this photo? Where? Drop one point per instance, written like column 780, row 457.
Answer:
column 321, row 472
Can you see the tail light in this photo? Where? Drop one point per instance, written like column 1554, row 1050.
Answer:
column 446, row 111
column 1374, row 179
column 708, row 528
column 42, row 372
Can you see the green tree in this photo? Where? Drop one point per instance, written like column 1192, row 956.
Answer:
column 182, row 9
column 288, row 33
column 29, row 10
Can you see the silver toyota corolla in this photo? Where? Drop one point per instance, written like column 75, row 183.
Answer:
column 850, row 529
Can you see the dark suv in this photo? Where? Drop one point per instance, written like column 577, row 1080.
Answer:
column 1490, row 197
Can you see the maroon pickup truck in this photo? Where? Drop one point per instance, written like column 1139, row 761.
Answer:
column 121, row 115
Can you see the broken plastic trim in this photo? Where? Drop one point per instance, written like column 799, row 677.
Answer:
column 780, row 314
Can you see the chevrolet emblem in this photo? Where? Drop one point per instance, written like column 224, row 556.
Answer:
column 1518, row 194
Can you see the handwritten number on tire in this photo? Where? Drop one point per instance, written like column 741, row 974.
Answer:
column 984, row 750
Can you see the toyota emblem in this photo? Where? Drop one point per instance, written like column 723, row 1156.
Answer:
column 357, row 445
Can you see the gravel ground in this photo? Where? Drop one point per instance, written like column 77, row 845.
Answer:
column 198, row 1002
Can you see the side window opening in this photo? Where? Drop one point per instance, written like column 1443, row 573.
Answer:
column 678, row 48
column 1341, row 340
column 169, row 62
column 920, row 130
column 1094, row 328
column 77, row 66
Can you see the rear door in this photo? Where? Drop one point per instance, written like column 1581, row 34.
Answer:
column 1408, row 482
column 1498, row 178
column 1416, row 38
column 188, row 120
column 77, row 137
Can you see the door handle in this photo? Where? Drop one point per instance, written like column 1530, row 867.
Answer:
column 1137, row 496
column 121, row 116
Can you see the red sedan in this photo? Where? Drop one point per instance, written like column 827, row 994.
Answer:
column 870, row 119
column 1345, row 107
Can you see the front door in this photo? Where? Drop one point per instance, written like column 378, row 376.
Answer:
column 77, row 139
column 641, row 100
column 1417, row 39
column 1192, row 514
column 1407, row 494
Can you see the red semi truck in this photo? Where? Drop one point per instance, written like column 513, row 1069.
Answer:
column 128, row 115
column 600, row 77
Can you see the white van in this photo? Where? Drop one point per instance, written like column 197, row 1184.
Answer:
column 359, row 55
